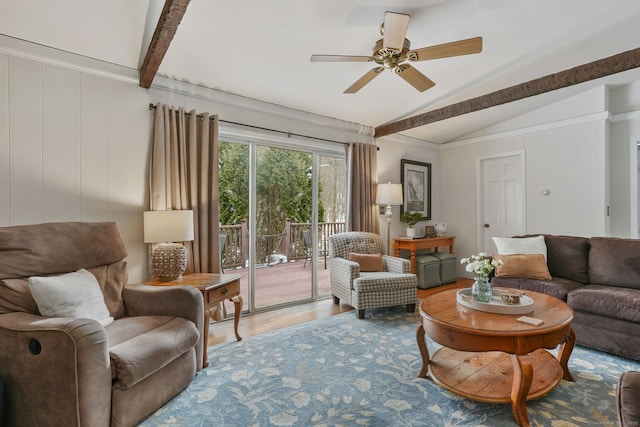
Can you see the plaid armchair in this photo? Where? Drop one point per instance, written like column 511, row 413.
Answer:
column 394, row 285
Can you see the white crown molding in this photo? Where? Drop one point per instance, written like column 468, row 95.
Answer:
column 600, row 116
column 47, row 55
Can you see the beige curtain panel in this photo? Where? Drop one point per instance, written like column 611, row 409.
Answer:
column 184, row 175
column 363, row 213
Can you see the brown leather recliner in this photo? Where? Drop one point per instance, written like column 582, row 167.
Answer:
column 75, row 371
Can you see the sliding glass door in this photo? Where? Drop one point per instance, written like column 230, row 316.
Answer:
column 278, row 206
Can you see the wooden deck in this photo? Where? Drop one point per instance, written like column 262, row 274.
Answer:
column 282, row 283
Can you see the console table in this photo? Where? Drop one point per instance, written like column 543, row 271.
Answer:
column 413, row 245
column 215, row 288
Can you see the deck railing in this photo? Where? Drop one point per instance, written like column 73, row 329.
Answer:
column 272, row 248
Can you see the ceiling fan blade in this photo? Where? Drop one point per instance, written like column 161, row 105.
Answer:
column 359, row 84
column 395, row 30
column 340, row 58
column 414, row 77
column 461, row 47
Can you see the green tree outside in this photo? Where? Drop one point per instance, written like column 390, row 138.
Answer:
column 283, row 187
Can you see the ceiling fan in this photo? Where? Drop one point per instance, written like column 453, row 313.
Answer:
column 393, row 49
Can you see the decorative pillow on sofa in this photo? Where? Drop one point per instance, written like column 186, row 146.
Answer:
column 368, row 262
column 531, row 266
column 74, row 294
column 521, row 245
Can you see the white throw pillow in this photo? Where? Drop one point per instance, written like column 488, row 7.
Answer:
column 76, row 294
column 520, row 246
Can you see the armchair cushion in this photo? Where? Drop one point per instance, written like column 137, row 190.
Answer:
column 76, row 295
column 141, row 346
column 375, row 282
column 368, row 262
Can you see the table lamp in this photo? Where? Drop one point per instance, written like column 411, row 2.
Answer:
column 167, row 228
column 389, row 194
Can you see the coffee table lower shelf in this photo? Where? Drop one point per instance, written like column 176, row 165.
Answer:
column 488, row 377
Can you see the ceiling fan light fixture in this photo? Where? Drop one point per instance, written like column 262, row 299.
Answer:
column 393, row 49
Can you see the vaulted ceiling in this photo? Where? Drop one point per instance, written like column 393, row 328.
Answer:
column 261, row 49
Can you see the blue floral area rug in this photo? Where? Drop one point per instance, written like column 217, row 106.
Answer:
column 341, row 371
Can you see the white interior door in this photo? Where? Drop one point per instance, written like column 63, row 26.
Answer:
column 501, row 198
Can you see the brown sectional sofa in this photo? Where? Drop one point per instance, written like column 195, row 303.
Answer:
column 599, row 278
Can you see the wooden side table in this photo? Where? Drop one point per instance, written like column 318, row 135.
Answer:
column 413, row 245
column 215, row 288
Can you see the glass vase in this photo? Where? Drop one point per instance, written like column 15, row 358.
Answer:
column 481, row 290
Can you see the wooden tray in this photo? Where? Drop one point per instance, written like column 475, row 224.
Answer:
column 464, row 297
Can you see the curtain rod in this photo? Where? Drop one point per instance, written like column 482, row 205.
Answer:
column 289, row 134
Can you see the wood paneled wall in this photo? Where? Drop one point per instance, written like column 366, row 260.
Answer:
column 73, row 147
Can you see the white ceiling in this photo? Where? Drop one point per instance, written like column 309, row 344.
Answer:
column 261, row 49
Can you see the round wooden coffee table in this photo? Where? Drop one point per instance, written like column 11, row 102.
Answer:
column 492, row 357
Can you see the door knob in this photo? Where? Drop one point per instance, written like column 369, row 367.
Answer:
column 486, row 226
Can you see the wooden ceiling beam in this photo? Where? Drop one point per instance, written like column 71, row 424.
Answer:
column 168, row 22
column 593, row 70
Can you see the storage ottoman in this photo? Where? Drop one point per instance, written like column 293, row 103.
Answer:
column 428, row 271
column 447, row 266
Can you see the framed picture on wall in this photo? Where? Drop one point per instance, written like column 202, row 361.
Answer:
column 416, row 187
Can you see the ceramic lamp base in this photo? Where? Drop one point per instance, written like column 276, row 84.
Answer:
column 169, row 261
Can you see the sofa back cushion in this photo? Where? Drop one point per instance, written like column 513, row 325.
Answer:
column 614, row 262
column 568, row 257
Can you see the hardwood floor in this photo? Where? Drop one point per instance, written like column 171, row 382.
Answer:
column 259, row 323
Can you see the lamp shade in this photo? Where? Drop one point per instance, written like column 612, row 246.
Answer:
column 168, row 226
column 389, row 194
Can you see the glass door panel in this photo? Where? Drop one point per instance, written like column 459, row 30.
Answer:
column 233, row 190
column 283, row 195
column 332, row 191
column 268, row 232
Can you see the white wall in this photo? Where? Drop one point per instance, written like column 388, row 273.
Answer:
column 394, row 148
column 73, row 147
column 74, row 143
column 625, row 130
column 568, row 157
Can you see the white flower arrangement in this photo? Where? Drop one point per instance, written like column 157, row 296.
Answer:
column 480, row 265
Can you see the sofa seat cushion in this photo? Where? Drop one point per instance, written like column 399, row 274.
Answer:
column 607, row 301
column 556, row 287
column 380, row 281
column 140, row 346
